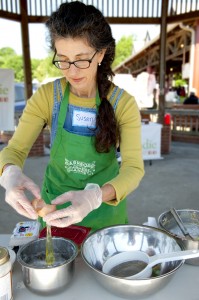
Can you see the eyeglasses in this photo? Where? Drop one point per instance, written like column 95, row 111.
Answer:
column 80, row 64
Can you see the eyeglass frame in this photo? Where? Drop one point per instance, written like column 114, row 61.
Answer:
column 72, row 62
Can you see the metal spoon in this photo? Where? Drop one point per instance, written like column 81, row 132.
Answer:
column 180, row 224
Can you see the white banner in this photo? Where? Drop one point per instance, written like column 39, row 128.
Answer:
column 6, row 100
column 151, row 141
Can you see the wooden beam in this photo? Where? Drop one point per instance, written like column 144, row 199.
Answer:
column 110, row 20
column 9, row 16
column 26, row 48
column 190, row 16
column 162, row 68
column 133, row 20
column 196, row 60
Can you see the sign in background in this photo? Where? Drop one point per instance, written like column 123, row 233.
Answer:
column 151, row 141
column 6, row 100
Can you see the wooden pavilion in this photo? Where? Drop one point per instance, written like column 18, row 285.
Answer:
column 162, row 12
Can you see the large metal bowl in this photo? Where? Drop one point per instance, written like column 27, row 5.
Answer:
column 109, row 241
column 40, row 278
column 190, row 218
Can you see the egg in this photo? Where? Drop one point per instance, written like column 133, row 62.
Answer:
column 42, row 208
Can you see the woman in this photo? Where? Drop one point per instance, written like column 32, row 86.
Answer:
column 89, row 118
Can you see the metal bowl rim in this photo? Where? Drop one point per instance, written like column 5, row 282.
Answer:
column 169, row 232
column 181, row 262
column 19, row 259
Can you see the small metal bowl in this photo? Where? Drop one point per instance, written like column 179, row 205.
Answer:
column 103, row 244
column 40, row 278
column 190, row 219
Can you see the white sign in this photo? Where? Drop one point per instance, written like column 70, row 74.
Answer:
column 186, row 71
column 151, row 141
column 6, row 100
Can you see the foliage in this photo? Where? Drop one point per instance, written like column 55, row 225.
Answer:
column 46, row 69
column 10, row 60
column 178, row 80
column 15, row 63
column 43, row 68
column 123, row 50
column 6, row 51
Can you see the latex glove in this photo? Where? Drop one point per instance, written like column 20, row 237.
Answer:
column 82, row 203
column 15, row 183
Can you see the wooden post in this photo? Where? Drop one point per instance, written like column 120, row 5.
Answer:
column 166, row 129
column 196, row 60
column 26, row 48
column 163, row 37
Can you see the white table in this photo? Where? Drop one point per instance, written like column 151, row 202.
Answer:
column 184, row 285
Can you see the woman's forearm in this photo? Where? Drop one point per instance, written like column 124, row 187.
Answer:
column 108, row 192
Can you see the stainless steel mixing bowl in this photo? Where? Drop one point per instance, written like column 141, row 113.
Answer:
column 109, row 241
column 190, row 219
column 40, row 278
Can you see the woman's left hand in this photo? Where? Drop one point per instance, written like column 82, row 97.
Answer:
column 82, row 203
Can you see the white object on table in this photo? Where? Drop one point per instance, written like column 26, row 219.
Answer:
column 151, row 222
column 184, row 285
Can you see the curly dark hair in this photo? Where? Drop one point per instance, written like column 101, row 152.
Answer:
column 75, row 19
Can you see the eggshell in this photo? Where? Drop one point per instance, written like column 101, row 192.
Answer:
column 42, row 208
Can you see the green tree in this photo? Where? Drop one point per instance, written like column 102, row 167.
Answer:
column 10, row 60
column 46, row 69
column 179, row 81
column 34, row 65
column 6, row 51
column 123, row 50
column 41, row 68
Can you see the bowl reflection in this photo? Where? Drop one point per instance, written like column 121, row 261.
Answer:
column 190, row 219
column 109, row 241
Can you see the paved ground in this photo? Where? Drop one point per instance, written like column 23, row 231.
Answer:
column 170, row 182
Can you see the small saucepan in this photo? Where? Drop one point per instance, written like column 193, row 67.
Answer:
column 44, row 279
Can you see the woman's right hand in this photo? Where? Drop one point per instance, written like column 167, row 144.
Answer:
column 15, row 183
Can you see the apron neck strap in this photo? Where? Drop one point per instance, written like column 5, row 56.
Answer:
column 65, row 101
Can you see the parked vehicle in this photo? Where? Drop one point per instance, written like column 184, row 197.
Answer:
column 20, row 99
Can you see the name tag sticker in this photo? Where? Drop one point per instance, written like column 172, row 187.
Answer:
column 84, row 118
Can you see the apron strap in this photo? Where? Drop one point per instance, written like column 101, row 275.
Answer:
column 113, row 96
column 117, row 150
column 56, row 108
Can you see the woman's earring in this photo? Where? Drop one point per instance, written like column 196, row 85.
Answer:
column 99, row 64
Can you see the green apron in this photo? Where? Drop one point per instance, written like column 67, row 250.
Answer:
column 73, row 163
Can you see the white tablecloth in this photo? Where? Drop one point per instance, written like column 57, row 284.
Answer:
column 184, row 285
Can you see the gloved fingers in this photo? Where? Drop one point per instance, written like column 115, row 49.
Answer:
column 18, row 200
column 63, row 217
column 32, row 187
column 68, row 196
column 59, row 214
column 61, row 223
column 25, row 212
